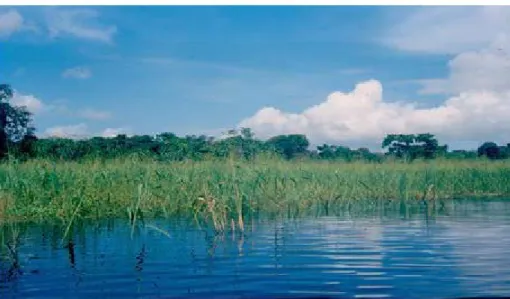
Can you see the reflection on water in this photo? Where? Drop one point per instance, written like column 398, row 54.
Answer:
column 460, row 251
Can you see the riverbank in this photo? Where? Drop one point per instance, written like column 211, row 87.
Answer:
column 227, row 191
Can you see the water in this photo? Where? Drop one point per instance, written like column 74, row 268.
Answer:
column 461, row 251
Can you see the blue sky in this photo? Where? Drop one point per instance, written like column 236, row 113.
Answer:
column 207, row 69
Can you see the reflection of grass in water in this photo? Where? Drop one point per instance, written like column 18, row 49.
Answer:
column 227, row 193
column 13, row 263
column 10, row 267
column 13, row 234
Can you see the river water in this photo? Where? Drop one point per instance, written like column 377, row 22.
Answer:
column 461, row 251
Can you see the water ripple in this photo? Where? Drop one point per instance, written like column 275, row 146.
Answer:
column 461, row 255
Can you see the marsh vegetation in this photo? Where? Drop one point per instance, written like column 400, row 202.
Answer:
column 228, row 191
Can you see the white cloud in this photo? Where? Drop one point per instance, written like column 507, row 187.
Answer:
column 78, row 72
column 81, row 23
column 448, row 30
column 10, row 22
column 485, row 69
column 33, row 104
column 479, row 38
column 113, row 132
column 363, row 116
column 72, row 131
column 81, row 131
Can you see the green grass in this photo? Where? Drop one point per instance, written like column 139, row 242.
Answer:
column 227, row 192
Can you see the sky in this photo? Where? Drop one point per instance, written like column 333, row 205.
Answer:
column 343, row 75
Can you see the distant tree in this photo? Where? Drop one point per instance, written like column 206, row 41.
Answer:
column 504, row 153
column 399, row 145
column 412, row 146
column 247, row 133
column 26, row 146
column 334, row 152
column 289, row 146
column 428, row 147
column 172, row 147
column 15, row 122
column 366, row 155
column 326, row 151
column 490, row 150
column 462, row 154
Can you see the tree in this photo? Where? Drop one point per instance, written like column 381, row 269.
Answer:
column 326, row 151
column 26, row 146
column 411, row 146
column 399, row 145
column 289, row 145
column 333, row 152
column 15, row 122
column 462, row 154
column 489, row 149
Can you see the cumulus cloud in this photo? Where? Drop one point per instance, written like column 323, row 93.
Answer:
column 33, row 104
column 80, row 23
column 72, row 131
column 10, row 22
column 363, row 116
column 78, row 72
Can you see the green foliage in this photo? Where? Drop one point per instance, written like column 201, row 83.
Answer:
column 410, row 147
column 492, row 151
column 15, row 122
column 289, row 146
column 240, row 145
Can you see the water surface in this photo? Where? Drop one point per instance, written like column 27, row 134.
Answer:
column 459, row 251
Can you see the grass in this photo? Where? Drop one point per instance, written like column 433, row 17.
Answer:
column 227, row 192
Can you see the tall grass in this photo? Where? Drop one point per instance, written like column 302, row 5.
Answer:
column 226, row 192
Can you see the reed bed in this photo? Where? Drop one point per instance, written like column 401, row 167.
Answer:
column 226, row 192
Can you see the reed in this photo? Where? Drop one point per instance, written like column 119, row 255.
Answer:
column 227, row 192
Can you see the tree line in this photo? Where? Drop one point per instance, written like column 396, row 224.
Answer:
column 18, row 140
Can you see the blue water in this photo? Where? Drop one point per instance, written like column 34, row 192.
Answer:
column 464, row 250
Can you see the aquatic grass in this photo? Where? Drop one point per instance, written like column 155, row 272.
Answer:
column 10, row 239
column 228, row 192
